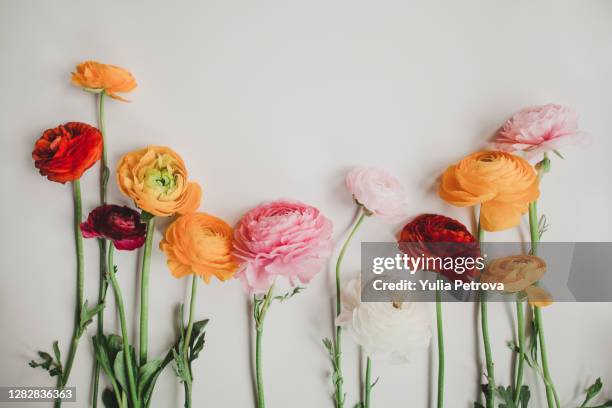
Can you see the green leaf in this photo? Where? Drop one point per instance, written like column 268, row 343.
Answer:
column 101, row 354
column 108, row 399
column 592, row 391
column 196, row 348
column 525, row 396
column 47, row 363
column 506, row 396
column 555, row 151
column 148, row 391
column 114, row 343
column 289, row 295
column 146, row 216
column 120, row 371
column 56, row 351
column 146, row 374
column 199, row 326
column 181, row 324
column 478, row 405
column 87, row 316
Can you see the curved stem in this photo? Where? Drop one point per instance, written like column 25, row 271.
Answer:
column 551, row 398
column 144, row 291
column 78, row 237
column 368, row 383
column 520, row 322
column 484, row 318
column 187, row 340
column 102, row 285
column 124, row 333
column 440, row 350
column 484, row 314
column 339, row 380
column 259, row 325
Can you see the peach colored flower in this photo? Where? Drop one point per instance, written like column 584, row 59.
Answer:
column 540, row 129
column 200, row 244
column 519, row 273
column 156, row 179
column 504, row 185
column 516, row 272
column 538, row 297
column 94, row 76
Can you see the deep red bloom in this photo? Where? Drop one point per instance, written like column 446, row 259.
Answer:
column 122, row 225
column 65, row 152
column 433, row 235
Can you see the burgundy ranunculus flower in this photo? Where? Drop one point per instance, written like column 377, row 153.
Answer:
column 432, row 235
column 122, row 225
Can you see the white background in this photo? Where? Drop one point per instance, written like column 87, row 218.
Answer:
column 274, row 99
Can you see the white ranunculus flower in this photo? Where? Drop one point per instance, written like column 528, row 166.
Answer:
column 390, row 330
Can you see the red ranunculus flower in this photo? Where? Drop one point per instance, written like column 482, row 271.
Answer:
column 65, row 152
column 432, row 235
column 122, row 225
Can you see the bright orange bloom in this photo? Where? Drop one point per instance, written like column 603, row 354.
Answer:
column 93, row 75
column 504, row 185
column 156, row 179
column 199, row 244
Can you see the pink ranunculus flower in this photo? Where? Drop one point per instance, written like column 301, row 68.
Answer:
column 540, row 129
column 282, row 238
column 379, row 192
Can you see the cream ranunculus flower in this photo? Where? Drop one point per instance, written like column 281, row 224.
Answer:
column 394, row 331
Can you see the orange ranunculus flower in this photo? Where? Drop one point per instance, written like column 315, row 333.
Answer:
column 519, row 273
column 156, row 179
column 516, row 272
column 201, row 244
column 110, row 78
column 538, row 297
column 504, row 185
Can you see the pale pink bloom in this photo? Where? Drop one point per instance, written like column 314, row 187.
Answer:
column 540, row 129
column 379, row 192
column 281, row 239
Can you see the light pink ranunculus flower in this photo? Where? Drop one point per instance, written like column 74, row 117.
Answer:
column 379, row 192
column 540, row 129
column 281, row 239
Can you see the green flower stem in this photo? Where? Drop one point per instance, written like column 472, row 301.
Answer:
column 104, row 176
column 124, row 333
column 62, row 380
column 102, row 243
column 194, row 291
column 259, row 325
column 368, row 383
column 144, row 291
column 484, row 317
column 551, row 394
column 520, row 323
column 339, row 394
column 440, row 350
